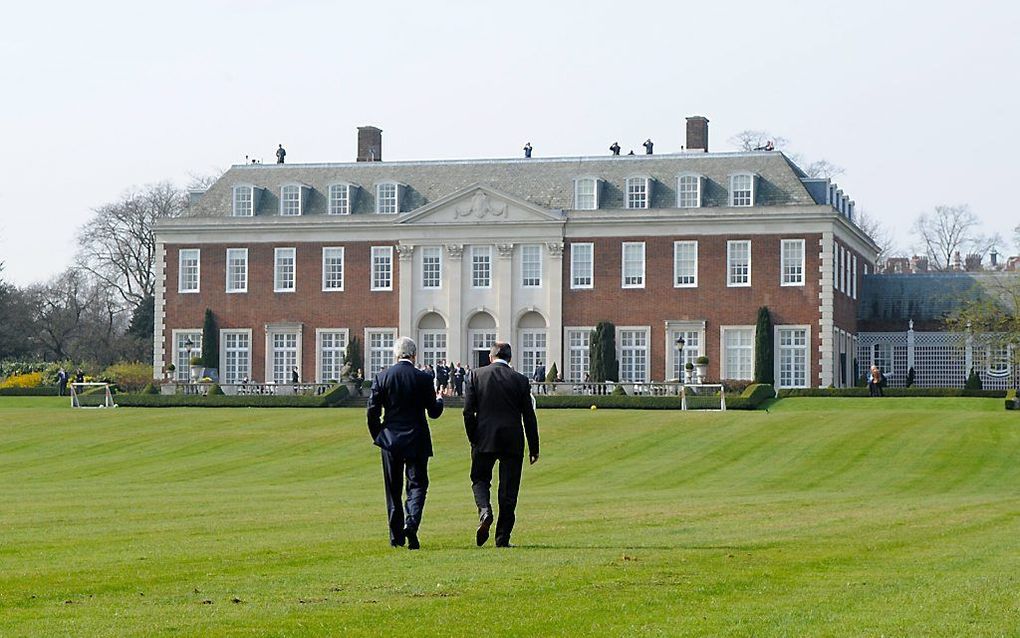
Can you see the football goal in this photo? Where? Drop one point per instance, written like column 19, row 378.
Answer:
column 703, row 396
column 91, row 395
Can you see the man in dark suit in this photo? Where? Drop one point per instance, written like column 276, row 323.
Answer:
column 497, row 401
column 401, row 395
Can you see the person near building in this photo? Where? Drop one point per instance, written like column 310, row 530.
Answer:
column 539, row 376
column 62, row 381
column 615, row 148
column 458, row 379
column 401, row 397
column 499, row 412
column 527, row 150
column 876, row 381
column 648, row 146
column 280, row 154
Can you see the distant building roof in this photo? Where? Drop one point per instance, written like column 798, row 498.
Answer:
column 889, row 302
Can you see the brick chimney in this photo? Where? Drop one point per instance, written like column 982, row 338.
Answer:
column 697, row 133
column 369, row 144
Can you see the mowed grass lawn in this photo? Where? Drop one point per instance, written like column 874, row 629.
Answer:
column 823, row 517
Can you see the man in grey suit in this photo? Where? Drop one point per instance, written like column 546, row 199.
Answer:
column 402, row 395
column 497, row 403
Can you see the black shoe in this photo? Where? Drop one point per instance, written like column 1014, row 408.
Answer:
column 484, row 523
column 504, row 544
column 412, row 539
column 397, row 542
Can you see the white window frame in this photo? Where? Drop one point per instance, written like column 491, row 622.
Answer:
column 429, row 353
column 677, row 246
column 437, row 251
column 777, row 363
column 591, row 266
column 279, row 253
column 585, row 367
column 690, row 353
column 846, row 271
column 337, row 205
column 724, row 372
column 730, row 282
column 637, row 180
column 526, row 281
column 529, row 356
column 784, row 245
column 232, row 254
column 319, row 332
column 181, row 357
column 742, row 201
column 325, row 271
column 379, row 198
column 234, row 210
column 480, row 251
column 595, row 184
column 647, row 350
column 283, row 329
column 623, row 264
column 387, row 356
column 680, row 192
column 223, row 354
column 381, row 252
column 853, row 276
column 180, row 270
column 288, row 206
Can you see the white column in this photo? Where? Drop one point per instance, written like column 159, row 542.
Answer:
column 452, row 283
column 554, row 301
column 503, row 279
column 159, row 313
column 406, row 312
column 826, row 319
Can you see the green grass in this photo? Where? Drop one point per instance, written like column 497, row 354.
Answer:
column 822, row 517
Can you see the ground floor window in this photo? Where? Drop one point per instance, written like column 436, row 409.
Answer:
column 633, row 355
column 182, row 357
column 692, row 350
column 738, row 352
column 284, row 352
column 379, row 350
column 432, row 347
column 792, row 357
column 578, row 355
column 236, row 356
column 533, row 346
column 332, row 349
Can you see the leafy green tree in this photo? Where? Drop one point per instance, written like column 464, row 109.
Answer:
column 210, row 341
column 352, row 356
column 602, row 353
column 550, row 376
column 764, row 354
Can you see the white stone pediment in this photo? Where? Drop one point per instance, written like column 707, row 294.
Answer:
column 480, row 205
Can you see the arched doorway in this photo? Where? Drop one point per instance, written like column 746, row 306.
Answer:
column 532, row 340
column 481, row 336
column 431, row 339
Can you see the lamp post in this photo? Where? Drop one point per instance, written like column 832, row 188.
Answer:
column 680, row 357
column 188, row 345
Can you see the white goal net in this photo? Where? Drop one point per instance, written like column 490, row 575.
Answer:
column 703, row 396
column 91, row 395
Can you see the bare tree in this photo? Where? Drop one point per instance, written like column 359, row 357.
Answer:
column 992, row 318
column 879, row 233
column 823, row 168
column 948, row 230
column 1016, row 236
column 751, row 140
column 117, row 245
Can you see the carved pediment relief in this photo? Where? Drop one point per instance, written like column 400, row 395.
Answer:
column 480, row 205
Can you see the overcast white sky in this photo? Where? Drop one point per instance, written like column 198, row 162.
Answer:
column 916, row 100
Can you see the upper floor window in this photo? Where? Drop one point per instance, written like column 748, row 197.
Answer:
column 738, row 263
column 582, row 257
column 431, row 266
column 531, row 266
column 481, row 266
column 637, row 192
column 633, row 264
column 382, row 267
column 586, row 193
column 188, row 270
column 853, row 276
column 333, row 268
column 244, row 201
column 792, row 257
column 688, row 191
column 237, row 270
column 283, row 277
column 340, row 199
column 387, row 198
column 742, row 189
column 685, row 264
column 290, row 200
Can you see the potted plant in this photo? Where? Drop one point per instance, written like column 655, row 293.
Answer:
column 701, row 363
column 170, row 369
column 688, row 372
column 196, row 367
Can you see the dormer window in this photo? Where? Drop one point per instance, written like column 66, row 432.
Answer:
column 387, row 197
column 341, row 198
column 291, row 200
column 586, row 193
column 688, row 191
column 742, row 189
column 244, row 201
column 638, row 192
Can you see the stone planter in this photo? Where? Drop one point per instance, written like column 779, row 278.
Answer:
column 702, row 372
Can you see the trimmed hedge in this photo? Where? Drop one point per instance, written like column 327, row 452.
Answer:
column 1011, row 401
column 891, row 392
column 333, row 398
column 750, row 399
column 41, row 391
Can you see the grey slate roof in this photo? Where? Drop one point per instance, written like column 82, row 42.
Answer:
column 548, row 183
column 889, row 301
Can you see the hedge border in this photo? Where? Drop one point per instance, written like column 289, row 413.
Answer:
column 41, row 391
column 750, row 399
column 333, row 398
column 1011, row 401
column 890, row 392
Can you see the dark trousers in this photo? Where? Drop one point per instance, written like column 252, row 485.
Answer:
column 395, row 468
column 509, row 486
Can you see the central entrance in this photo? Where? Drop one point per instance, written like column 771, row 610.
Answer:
column 481, row 337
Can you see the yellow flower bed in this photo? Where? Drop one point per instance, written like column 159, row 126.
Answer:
column 30, row 380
